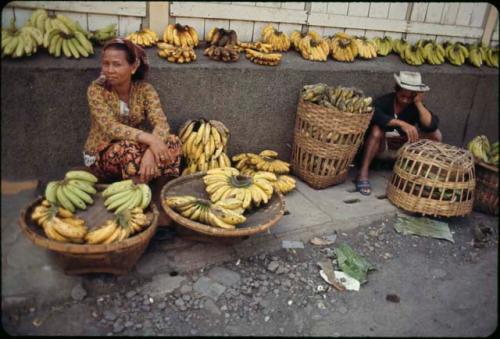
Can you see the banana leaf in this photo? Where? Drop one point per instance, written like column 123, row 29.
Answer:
column 352, row 263
column 422, row 226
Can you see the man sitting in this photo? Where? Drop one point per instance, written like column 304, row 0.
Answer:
column 397, row 114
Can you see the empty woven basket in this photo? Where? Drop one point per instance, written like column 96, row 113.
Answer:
column 433, row 178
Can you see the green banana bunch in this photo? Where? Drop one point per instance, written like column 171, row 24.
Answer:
column 125, row 195
column 384, row 45
column 345, row 99
column 104, row 34
column 480, row 148
column 475, row 56
column 434, row 53
column 413, row 55
column 456, row 53
column 313, row 93
column 399, row 45
column 75, row 191
column 17, row 43
column 491, row 59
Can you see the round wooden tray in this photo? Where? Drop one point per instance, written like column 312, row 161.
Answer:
column 258, row 220
column 116, row 258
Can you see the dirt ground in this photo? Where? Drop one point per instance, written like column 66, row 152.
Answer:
column 438, row 288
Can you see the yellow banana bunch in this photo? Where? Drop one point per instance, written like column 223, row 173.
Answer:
column 384, row 45
column 179, row 35
column 144, row 37
column 279, row 40
column 475, row 57
column 413, row 55
column 267, row 161
column 125, row 195
column 176, row 54
column 296, row 36
column 132, row 221
column 367, row 49
column 285, row 184
column 399, row 45
column 17, row 43
column 456, row 53
column 106, row 233
column 225, row 213
column 104, row 34
column 434, row 53
column 204, row 145
column 343, row 47
column 223, row 183
column 258, row 46
column 228, row 53
column 75, row 191
column 314, row 50
column 269, row 59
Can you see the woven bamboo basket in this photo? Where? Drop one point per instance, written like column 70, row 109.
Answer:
column 116, row 258
column 433, row 178
column 325, row 143
column 486, row 194
column 258, row 220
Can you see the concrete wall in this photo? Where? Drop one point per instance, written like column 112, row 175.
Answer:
column 45, row 114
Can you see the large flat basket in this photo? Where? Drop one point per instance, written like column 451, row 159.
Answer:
column 258, row 220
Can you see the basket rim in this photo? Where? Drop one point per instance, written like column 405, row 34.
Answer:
column 212, row 230
column 84, row 248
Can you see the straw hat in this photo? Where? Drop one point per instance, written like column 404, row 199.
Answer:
column 411, row 81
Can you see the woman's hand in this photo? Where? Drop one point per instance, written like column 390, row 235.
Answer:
column 149, row 170
column 410, row 130
column 156, row 145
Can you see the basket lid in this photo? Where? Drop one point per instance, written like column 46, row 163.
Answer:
column 446, row 155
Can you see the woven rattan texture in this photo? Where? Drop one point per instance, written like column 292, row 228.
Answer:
column 486, row 195
column 433, row 178
column 325, row 143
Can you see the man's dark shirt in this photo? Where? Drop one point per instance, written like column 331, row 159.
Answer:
column 384, row 112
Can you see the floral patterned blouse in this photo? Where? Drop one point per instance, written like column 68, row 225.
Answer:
column 109, row 121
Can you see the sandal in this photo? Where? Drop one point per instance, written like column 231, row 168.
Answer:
column 363, row 186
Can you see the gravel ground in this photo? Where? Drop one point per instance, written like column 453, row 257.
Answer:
column 421, row 287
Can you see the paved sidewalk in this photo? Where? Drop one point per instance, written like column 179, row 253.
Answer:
column 31, row 275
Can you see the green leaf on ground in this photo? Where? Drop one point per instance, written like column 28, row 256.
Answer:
column 425, row 227
column 352, row 263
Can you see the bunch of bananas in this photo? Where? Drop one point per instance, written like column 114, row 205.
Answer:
column 367, row 49
column 222, row 37
column 58, row 223
column 296, row 36
column 269, row 59
column 384, row 45
column 223, row 183
column 279, row 40
column 343, row 47
column 45, row 22
column 179, row 35
column 491, row 57
column 125, row 195
column 177, row 54
column 345, row 99
column 75, row 191
column 267, row 161
column 413, row 55
column 399, row 45
column 475, row 55
column 64, row 36
column 228, row 53
column 456, row 53
column 23, row 42
column 434, row 53
column 204, row 145
column 480, row 147
column 247, row 165
column 144, row 37
column 258, row 46
column 224, row 213
column 104, row 34
column 119, row 228
column 314, row 50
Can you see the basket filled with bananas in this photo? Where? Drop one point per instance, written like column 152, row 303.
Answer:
column 433, row 178
column 221, row 202
column 93, row 228
column 329, row 128
column 486, row 160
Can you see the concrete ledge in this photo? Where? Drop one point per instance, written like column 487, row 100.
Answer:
column 45, row 115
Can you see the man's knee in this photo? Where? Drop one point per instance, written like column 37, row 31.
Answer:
column 376, row 133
